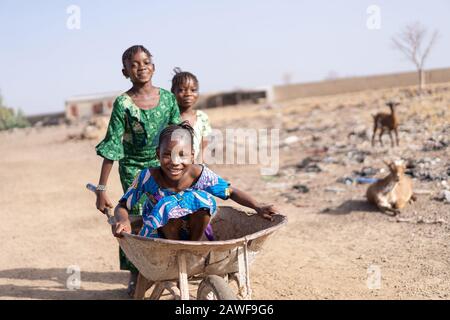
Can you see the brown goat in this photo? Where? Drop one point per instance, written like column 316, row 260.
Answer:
column 394, row 191
column 386, row 122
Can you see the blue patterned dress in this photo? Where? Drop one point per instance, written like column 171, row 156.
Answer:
column 163, row 204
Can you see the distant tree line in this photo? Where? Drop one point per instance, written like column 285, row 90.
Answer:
column 9, row 118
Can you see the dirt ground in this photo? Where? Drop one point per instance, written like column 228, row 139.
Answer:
column 330, row 246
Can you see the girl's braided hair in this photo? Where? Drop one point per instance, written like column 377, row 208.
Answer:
column 167, row 132
column 181, row 77
column 131, row 51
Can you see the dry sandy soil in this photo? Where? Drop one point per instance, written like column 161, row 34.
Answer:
column 327, row 250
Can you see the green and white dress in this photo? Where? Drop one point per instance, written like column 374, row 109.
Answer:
column 202, row 129
column 132, row 138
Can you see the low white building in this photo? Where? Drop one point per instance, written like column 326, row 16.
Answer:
column 85, row 107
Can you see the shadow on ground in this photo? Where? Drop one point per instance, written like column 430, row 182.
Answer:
column 56, row 284
column 350, row 206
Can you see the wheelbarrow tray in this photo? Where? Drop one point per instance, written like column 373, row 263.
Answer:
column 158, row 259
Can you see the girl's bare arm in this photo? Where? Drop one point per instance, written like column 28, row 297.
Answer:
column 244, row 199
column 202, row 153
column 102, row 199
column 105, row 171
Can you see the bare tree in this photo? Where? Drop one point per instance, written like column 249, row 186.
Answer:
column 410, row 41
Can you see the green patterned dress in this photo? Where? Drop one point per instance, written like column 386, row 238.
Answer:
column 132, row 138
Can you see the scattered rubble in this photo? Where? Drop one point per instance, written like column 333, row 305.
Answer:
column 290, row 140
column 434, row 144
column 334, row 189
column 444, row 196
column 346, row 180
column 360, row 133
column 363, row 176
column 328, row 143
column 421, row 192
column 301, row 188
column 356, row 180
column 309, row 164
column 358, row 155
column 419, row 220
column 427, row 169
column 366, row 172
column 365, row 180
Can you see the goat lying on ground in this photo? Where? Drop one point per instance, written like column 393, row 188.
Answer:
column 394, row 191
column 386, row 122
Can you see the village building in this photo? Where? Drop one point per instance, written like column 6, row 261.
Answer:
column 84, row 107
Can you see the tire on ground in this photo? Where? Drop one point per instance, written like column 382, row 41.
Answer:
column 218, row 286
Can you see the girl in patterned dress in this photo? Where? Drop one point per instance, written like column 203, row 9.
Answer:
column 180, row 194
column 185, row 88
column 137, row 118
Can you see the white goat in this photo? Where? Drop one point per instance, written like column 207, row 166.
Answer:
column 393, row 192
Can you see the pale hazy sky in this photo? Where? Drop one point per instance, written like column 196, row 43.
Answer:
column 227, row 44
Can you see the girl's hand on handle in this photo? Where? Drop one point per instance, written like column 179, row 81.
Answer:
column 121, row 226
column 103, row 201
column 266, row 211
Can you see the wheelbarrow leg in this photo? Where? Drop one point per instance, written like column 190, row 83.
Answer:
column 243, row 275
column 172, row 287
column 157, row 291
column 142, row 286
column 160, row 286
column 182, row 275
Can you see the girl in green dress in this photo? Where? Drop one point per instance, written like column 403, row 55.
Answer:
column 137, row 118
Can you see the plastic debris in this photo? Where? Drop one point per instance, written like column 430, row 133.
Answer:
column 301, row 188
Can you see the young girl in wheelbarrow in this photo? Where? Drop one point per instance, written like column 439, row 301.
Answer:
column 180, row 200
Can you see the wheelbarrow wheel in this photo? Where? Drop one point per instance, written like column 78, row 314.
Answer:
column 214, row 288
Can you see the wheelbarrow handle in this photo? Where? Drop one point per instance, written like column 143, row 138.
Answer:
column 111, row 219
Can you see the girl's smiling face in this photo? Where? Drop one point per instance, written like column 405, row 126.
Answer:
column 187, row 94
column 175, row 156
column 139, row 68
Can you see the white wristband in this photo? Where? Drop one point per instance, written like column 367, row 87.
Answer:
column 101, row 187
